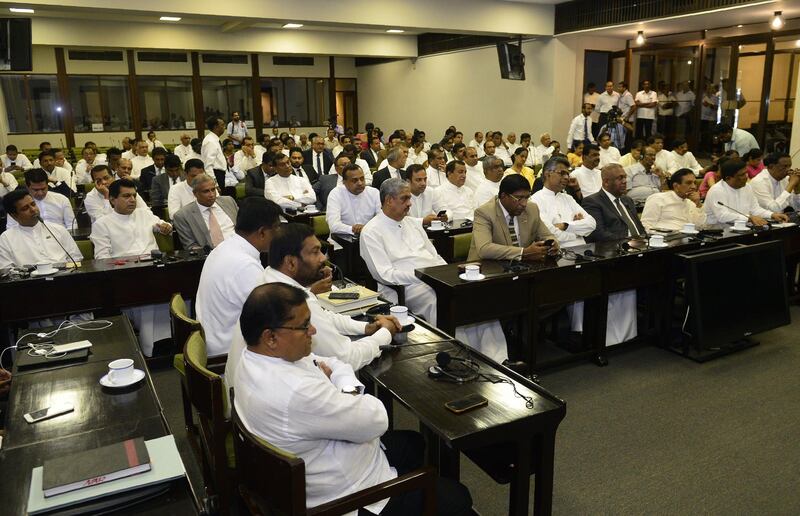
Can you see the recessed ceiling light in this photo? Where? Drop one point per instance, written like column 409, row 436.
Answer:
column 292, row 25
column 170, row 18
column 20, row 10
column 739, row 26
column 395, row 31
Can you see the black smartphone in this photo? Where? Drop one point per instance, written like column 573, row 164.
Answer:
column 470, row 402
column 344, row 295
column 549, row 242
column 442, row 213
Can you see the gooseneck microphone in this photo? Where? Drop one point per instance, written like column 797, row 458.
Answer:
column 74, row 263
column 733, row 209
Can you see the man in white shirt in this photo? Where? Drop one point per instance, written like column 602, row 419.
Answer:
column 8, row 183
column 666, row 109
column 646, row 102
column 592, row 97
column 709, row 107
column 57, row 176
column 285, row 188
column 490, row 186
column 84, row 167
column 435, row 170
column 184, row 150
column 645, row 178
column 331, row 142
column 729, row 199
column 96, row 201
column 421, row 195
column 153, row 143
column 61, row 161
column 564, row 217
column 245, row 157
column 736, row 139
column 53, row 207
column 13, row 160
column 453, row 196
column 625, row 103
column 211, row 150
column 182, row 193
column 543, row 151
column 477, row 143
column 312, row 406
column 679, row 205
column 29, row 242
column 588, row 175
column 140, row 160
column 208, row 221
column 128, row 231
column 608, row 153
column 684, row 103
column 605, row 101
column 500, row 149
column 128, row 147
column 475, row 174
column 580, row 129
column 511, row 142
column 680, row 157
column 351, row 204
column 775, row 187
column 236, row 130
column 232, row 270
column 663, row 160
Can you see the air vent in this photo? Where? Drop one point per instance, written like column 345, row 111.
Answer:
column 92, row 55
column 436, row 43
column 225, row 58
column 292, row 61
column 162, row 57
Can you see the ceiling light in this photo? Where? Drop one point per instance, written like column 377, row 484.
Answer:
column 777, row 20
column 20, row 10
column 797, row 43
column 689, row 62
column 170, row 18
column 395, row 31
column 739, row 26
column 640, row 38
column 292, row 25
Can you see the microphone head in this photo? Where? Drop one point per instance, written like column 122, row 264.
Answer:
column 588, row 252
column 443, row 358
column 625, row 246
column 720, row 203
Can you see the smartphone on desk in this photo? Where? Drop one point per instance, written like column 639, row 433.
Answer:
column 467, row 403
column 48, row 412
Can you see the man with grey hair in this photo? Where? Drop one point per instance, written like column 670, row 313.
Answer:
column 396, row 160
column 351, row 204
column 490, row 186
column 320, row 158
column 208, row 220
column 393, row 245
column 182, row 194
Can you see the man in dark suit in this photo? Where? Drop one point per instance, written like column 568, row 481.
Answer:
column 160, row 184
column 256, row 177
column 614, row 211
column 372, row 154
column 299, row 168
column 156, row 169
column 320, row 158
column 194, row 223
column 328, row 182
column 397, row 160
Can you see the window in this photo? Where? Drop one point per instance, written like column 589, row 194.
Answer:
column 32, row 103
column 221, row 97
column 289, row 102
column 165, row 103
column 100, row 103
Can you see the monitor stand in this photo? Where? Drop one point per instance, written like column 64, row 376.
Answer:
column 701, row 355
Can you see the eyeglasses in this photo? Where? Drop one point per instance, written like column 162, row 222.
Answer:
column 520, row 199
column 294, row 328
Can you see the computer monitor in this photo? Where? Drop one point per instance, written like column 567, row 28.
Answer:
column 512, row 61
column 736, row 291
column 15, row 45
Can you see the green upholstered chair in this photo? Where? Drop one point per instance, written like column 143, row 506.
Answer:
column 181, row 326
column 320, row 225
column 87, row 248
column 461, row 245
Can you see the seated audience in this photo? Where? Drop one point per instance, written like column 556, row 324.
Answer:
column 208, row 221
column 436, row 167
column 153, row 143
column 318, row 156
column 732, row 196
column 351, row 204
column 162, row 183
column 421, row 196
column 149, row 173
column 608, row 153
column 500, row 149
column 299, row 168
column 775, row 187
column 681, row 157
column 754, row 162
column 663, row 159
column 29, row 242
column 645, row 178
column 53, row 207
column 372, row 155
column 490, row 186
column 452, row 195
column 679, row 205
column 59, row 179
column 634, row 155
column 182, row 194
column 130, row 232
column 8, row 183
column 245, row 157
column 184, row 149
column 475, row 174
column 588, row 175
column 544, row 150
column 287, row 189
column 558, row 210
column 395, row 163
column 15, row 161
column 96, row 201
column 314, row 410
column 84, row 167
column 256, row 177
column 141, row 160
column 520, row 157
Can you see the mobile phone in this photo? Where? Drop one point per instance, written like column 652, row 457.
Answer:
column 470, row 402
column 442, row 213
column 549, row 242
column 344, row 295
column 48, row 412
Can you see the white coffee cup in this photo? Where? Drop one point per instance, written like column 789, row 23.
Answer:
column 740, row 224
column 657, row 240
column 472, row 271
column 44, row 268
column 689, row 228
column 120, row 371
column 401, row 313
column 437, row 224
column 311, row 209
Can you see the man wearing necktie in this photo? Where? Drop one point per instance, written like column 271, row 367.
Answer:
column 320, row 158
column 580, row 130
column 207, row 221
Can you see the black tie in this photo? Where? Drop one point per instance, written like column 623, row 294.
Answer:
column 319, row 165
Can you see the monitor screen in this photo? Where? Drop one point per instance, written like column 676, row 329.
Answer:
column 737, row 292
column 512, row 61
column 15, row 45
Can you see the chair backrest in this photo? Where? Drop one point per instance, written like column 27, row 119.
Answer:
column 276, row 478
column 320, row 225
column 461, row 245
column 206, row 389
column 180, row 323
column 87, row 248
column 166, row 243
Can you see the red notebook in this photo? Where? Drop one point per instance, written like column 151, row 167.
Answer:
column 93, row 467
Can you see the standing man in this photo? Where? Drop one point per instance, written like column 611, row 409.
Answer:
column 645, row 104
column 666, row 110
column 580, row 129
column 684, row 103
column 592, row 97
column 209, row 220
column 211, row 152
column 605, row 101
column 236, row 130
column 626, row 104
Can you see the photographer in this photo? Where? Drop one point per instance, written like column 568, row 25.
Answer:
column 617, row 128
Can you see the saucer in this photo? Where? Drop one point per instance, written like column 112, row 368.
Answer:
column 463, row 276
column 658, row 246
column 138, row 374
column 745, row 230
column 437, row 229
column 35, row 273
column 311, row 212
column 695, row 232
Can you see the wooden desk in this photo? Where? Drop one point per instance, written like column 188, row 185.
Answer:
column 100, row 284
column 442, row 238
column 301, row 217
column 496, row 436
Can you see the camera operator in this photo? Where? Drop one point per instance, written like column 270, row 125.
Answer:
column 617, row 127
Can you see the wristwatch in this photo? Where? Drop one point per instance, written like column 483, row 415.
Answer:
column 351, row 389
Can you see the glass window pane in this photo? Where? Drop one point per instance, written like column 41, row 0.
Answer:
column 16, row 103
column 240, row 99
column 84, row 94
column 748, row 92
column 153, row 103
column 320, row 103
column 272, row 101
column 181, row 102
column 296, row 101
column 45, row 105
column 215, row 99
column 116, row 104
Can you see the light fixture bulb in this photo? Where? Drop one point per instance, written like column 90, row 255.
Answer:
column 640, row 38
column 777, row 20
column 21, row 10
column 689, row 62
column 395, row 31
column 170, row 18
column 292, row 25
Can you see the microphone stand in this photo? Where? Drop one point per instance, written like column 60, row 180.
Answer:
column 74, row 263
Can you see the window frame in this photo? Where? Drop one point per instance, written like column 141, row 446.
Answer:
column 103, row 113
column 29, row 102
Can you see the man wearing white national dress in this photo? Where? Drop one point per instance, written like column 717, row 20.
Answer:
column 393, row 245
column 130, row 232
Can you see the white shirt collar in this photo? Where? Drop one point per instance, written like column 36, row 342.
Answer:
column 610, row 196
column 506, row 215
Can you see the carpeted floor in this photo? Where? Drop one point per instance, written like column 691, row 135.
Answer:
column 652, row 433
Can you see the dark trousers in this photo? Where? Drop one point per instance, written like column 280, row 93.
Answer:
column 219, row 175
column 644, row 128
column 405, row 451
